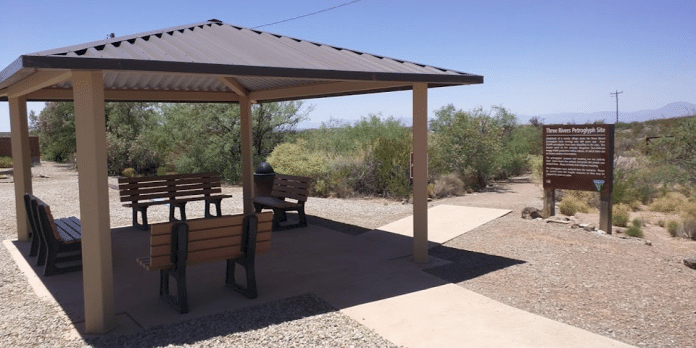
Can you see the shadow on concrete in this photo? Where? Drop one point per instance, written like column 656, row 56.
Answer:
column 466, row 265
column 307, row 271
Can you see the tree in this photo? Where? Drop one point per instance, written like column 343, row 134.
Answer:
column 680, row 148
column 56, row 128
column 468, row 142
column 206, row 137
column 273, row 121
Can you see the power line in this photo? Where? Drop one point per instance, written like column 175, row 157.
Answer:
column 307, row 15
column 616, row 94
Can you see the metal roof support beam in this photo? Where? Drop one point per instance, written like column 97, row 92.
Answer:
column 97, row 268
column 420, row 172
column 247, row 155
column 37, row 81
column 21, row 162
column 323, row 89
column 234, row 85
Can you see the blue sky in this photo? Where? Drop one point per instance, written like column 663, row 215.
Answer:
column 537, row 57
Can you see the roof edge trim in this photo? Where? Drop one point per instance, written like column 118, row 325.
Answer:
column 84, row 63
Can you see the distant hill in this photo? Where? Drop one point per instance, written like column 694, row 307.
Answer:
column 670, row 110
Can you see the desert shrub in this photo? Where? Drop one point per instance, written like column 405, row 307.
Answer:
column 448, row 185
column 669, row 203
column 391, row 157
column 161, row 171
column 673, row 227
column 536, row 164
column 687, row 229
column 294, row 159
column 635, row 229
column 5, row 162
column 661, row 223
column 620, row 215
column 635, row 205
column 571, row 204
column 129, row 172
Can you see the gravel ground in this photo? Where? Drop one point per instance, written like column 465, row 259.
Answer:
column 624, row 288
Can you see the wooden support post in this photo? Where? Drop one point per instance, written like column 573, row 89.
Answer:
column 605, row 211
column 549, row 202
column 21, row 162
column 420, row 172
column 97, row 269
column 247, row 154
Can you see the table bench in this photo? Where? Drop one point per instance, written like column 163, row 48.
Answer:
column 55, row 242
column 235, row 238
column 286, row 187
column 175, row 190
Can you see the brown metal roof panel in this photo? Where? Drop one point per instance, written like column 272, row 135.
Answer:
column 168, row 51
column 188, row 47
column 253, row 49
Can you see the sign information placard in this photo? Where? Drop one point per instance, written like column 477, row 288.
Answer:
column 578, row 157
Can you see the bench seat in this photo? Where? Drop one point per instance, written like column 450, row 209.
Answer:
column 286, row 187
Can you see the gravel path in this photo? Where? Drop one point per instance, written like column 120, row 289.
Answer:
column 621, row 288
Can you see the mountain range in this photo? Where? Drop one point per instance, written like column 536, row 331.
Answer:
column 676, row 109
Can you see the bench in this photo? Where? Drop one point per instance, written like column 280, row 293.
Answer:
column 55, row 242
column 235, row 238
column 286, row 187
column 175, row 190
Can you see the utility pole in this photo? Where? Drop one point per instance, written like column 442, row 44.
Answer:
column 616, row 94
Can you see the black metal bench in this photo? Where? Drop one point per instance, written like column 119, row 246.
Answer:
column 286, row 187
column 175, row 190
column 57, row 243
column 235, row 238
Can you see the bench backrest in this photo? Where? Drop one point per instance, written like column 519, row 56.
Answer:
column 168, row 186
column 66, row 230
column 293, row 187
column 210, row 239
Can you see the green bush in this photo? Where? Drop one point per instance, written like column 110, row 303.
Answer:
column 294, row 159
column 161, row 171
column 5, row 162
column 672, row 227
column 620, row 215
column 129, row 172
column 634, row 231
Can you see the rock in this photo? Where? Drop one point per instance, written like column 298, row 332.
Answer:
column 648, row 243
column 589, row 227
column 530, row 213
column 691, row 263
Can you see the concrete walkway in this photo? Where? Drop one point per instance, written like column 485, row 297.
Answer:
column 370, row 277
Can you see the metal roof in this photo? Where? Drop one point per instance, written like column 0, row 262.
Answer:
column 192, row 58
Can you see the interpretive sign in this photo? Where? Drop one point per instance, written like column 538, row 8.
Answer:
column 578, row 157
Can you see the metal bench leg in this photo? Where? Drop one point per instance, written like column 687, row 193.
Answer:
column 182, row 211
column 249, row 290
column 250, row 226
column 303, row 217
column 143, row 216
column 180, row 252
column 218, row 209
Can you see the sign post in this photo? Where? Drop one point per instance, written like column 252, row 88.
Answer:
column 579, row 157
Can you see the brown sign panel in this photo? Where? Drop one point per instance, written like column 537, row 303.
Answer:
column 579, row 157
